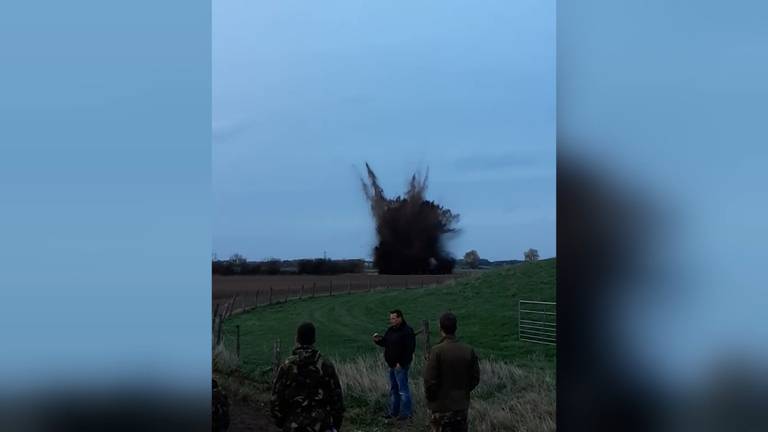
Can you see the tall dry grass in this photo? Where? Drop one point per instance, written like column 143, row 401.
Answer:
column 224, row 361
column 508, row 398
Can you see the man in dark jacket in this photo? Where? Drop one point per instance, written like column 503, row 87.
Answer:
column 451, row 373
column 399, row 343
column 306, row 395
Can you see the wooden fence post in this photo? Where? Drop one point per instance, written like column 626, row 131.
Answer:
column 213, row 332
column 369, row 285
column 213, row 327
column 276, row 355
column 349, row 287
column 427, row 348
column 314, row 286
column 256, row 303
column 330, row 289
column 231, row 306
column 238, row 340
column 225, row 312
column 218, row 336
column 301, row 293
column 270, row 294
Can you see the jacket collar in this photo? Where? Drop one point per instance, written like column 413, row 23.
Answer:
column 402, row 325
column 448, row 338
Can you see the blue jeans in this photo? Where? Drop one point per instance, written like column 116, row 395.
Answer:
column 399, row 393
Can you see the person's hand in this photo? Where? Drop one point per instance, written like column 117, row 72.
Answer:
column 376, row 337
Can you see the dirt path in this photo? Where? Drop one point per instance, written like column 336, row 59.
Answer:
column 249, row 409
column 250, row 416
column 248, row 403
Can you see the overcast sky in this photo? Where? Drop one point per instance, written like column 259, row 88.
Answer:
column 304, row 93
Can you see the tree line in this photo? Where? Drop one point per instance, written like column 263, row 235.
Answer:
column 237, row 264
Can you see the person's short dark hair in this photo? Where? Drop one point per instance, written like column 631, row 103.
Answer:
column 397, row 313
column 448, row 323
column 305, row 334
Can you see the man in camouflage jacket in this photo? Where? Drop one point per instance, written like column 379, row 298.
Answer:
column 306, row 395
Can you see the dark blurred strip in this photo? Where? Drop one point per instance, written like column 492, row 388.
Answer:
column 661, row 216
column 145, row 409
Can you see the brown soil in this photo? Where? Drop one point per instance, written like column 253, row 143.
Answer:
column 255, row 290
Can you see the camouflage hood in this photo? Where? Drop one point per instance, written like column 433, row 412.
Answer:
column 306, row 394
column 305, row 355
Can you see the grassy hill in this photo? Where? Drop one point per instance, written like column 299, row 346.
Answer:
column 486, row 305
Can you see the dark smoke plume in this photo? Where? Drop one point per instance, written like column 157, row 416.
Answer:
column 410, row 229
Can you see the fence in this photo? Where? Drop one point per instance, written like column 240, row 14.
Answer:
column 223, row 333
column 249, row 299
column 537, row 322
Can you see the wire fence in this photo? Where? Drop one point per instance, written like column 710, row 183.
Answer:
column 226, row 339
column 249, row 299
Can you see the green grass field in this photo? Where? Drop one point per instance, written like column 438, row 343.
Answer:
column 486, row 305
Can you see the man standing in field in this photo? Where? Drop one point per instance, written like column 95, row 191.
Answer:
column 399, row 343
column 451, row 373
column 306, row 395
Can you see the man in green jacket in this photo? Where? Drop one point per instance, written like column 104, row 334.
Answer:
column 452, row 372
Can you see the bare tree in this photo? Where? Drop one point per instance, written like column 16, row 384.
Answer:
column 237, row 259
column 531, row 255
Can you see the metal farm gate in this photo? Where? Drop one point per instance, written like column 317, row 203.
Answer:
column 537, row 322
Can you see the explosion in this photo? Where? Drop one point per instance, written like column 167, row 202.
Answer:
column 411, row 230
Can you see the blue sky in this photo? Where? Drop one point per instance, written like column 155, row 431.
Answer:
column 304, row 94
